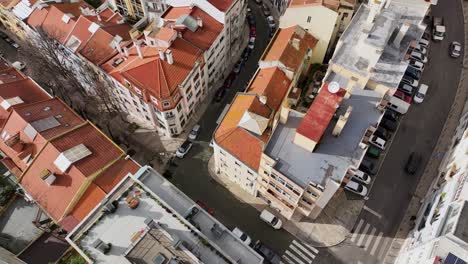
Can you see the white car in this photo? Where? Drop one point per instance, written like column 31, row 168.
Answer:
column 420, row 93
column 356, row 188
column 362, row 177
column 455, row 49
column 242, row 236
column 184, row 149
column 417, row 65
column 424, row 43
column 415, row 55
column 18, row 65
column 378, row 142
column 194, row 133
column 420, row 48
column 271, row 219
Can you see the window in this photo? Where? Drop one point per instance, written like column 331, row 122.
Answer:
column 138, row 91
column 147, row 118
column 249, row 172
column 182, row 123
column 197, row 86
column 166, row 104
column 235, row 162
column 306, row 201
column 135, row 103
column 169, row 114
column 196, row 76
column 189, row 95
column 179, row 107
column 309, row 18
column 127, row 83
column 345, row 15
column 176, row 97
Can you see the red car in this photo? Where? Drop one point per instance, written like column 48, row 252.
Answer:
column 205, row 207
column 253, row 31
column 402, row 96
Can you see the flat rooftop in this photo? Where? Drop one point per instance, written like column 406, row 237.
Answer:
column 366, row 46
column 333, row 155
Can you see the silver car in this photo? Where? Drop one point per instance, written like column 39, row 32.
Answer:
column 455, row 49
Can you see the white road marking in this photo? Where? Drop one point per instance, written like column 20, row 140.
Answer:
column 287, row 259
column 357, row 230
column 302, row 255
column 372, row 212
column 363, row 235
column 370, row 237
column 382, row 250
column 376, row 244
column 305, row 250
column 311, row 248
column 294, row 257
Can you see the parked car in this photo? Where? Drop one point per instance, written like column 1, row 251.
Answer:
column 402, row 96
column 251, row 43
column 362, row 177
column 367, row 166
column 417, row 65
column 15, row 45
column 253, row 32
column 356, row 188
column 420, row 93
column 259, row 2
column 271, row 219
column 455, row 49
column 382, row 133
column 251, row 20
column 219, row 94
column 413, row 73
column 408, row 89
column 415, row 55
column 424, row 42
column 373, row 152
column 205, row 207
column 378, row 142
column 237, row 67
column 419, row 49
column 242, row 236
column 269, row 255
column 409, row 81
column 412, row 165
column 391, row 115
column 194, row 133
column 266, row 10
column 184, row 149
column 18, row 65
column 271, row 22
column 389, row 124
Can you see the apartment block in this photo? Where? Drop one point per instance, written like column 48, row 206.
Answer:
column 298, row 161
column 440, row 230
column 324, row 19
column 145, row 219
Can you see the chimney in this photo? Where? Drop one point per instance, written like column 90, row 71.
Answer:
column 99, row 17
column 295, row 43
column 199, row 22
column 118, row 48
column 138, row 48
column 340, row 124
column 401, row 34
column 170, row 60
column 263, row 99
column 125, row 49
column 161, row 54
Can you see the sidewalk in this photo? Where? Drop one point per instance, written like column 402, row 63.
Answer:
column 329, row 229
column 432, row 169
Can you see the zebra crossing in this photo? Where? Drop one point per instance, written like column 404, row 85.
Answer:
column 299, row 253
column 370, row 239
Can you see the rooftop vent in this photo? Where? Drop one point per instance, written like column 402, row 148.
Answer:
column 47, row 108
column 48, row 177
column 117, row 62
column 68, row 157
column 7, row 103
column 45, row 124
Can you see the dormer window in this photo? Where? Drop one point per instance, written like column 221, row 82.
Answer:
column 166, row 104
column 138, row 91
column 48, row 177
column 7, row 103
column 128, row 84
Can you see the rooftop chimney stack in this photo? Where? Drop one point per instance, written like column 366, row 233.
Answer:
column 125, row 49
column 401, row 34
column 161, row 54
column 170, row 60
column 138, row 48
column 199, row 22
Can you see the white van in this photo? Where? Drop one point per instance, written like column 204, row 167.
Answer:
column 271, row 219
column 398, row 105
column 420, row 93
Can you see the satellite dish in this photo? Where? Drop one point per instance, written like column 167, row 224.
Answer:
column 333, row 87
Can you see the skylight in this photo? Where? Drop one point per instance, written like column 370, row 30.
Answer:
column 45, row 124
column 68, row 157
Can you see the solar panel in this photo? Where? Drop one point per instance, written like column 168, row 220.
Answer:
column 452, row 259
column 76, row 153
column 45, row 124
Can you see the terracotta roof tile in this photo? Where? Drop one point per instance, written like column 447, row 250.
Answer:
column 284, row 49
column 37, row 17
column 320, row 113
column 7, row 4
column 221, row 5
column 10, row 74
column 331, row 4
column 176, row 12
column 92, row 197
column 271, row 83
column 114, row 174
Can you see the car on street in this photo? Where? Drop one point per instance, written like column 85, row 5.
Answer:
column 419, row 48
column 391, row 115
column 420, row 93
column 367, row 166
column 389, row 124
column 184, row 149
column 424, row 42
column 15, row 45
column 237, row 67
column 253, row 32
column 219, row 94
column 373, row 152
column 266, row 10
column 362, row 177
column 382, row 133
column 401, row 95
column 251, row 20
column 194, row 132
column 205, row 207
column 409, row 81
column 455, row 49
column 408, row 89
column 269, row 255
column 413, row 73
column 271, row 219
column 417, row 65
column 242, row 236
column 18, row 65
column 251, row 43
column 271, row 22
column 356, row 188
column 415, row 55
column 378, row 142
column 412, row 165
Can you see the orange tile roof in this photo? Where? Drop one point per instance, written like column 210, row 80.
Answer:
column 176, row 12
column 331, row 4
column 271, row 83
column 221, row 5
column 7, row 4
column 164, row 78
column 92, row 197
column 320, row 113
column 114, row 174
column 282, row 48
column 229, row 136
column 11, row 74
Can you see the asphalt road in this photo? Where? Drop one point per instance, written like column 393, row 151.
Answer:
column 418, row 132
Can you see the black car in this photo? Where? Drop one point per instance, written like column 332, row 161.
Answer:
column 219, row 94
column 412, row 165
column 367, row 166
column 251, row 20
column 389, row 124
column 413, row 73
column 268, row 254
column 382, row 133
column 391, row 115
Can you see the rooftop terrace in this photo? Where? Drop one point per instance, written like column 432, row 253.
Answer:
column 333, row 155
